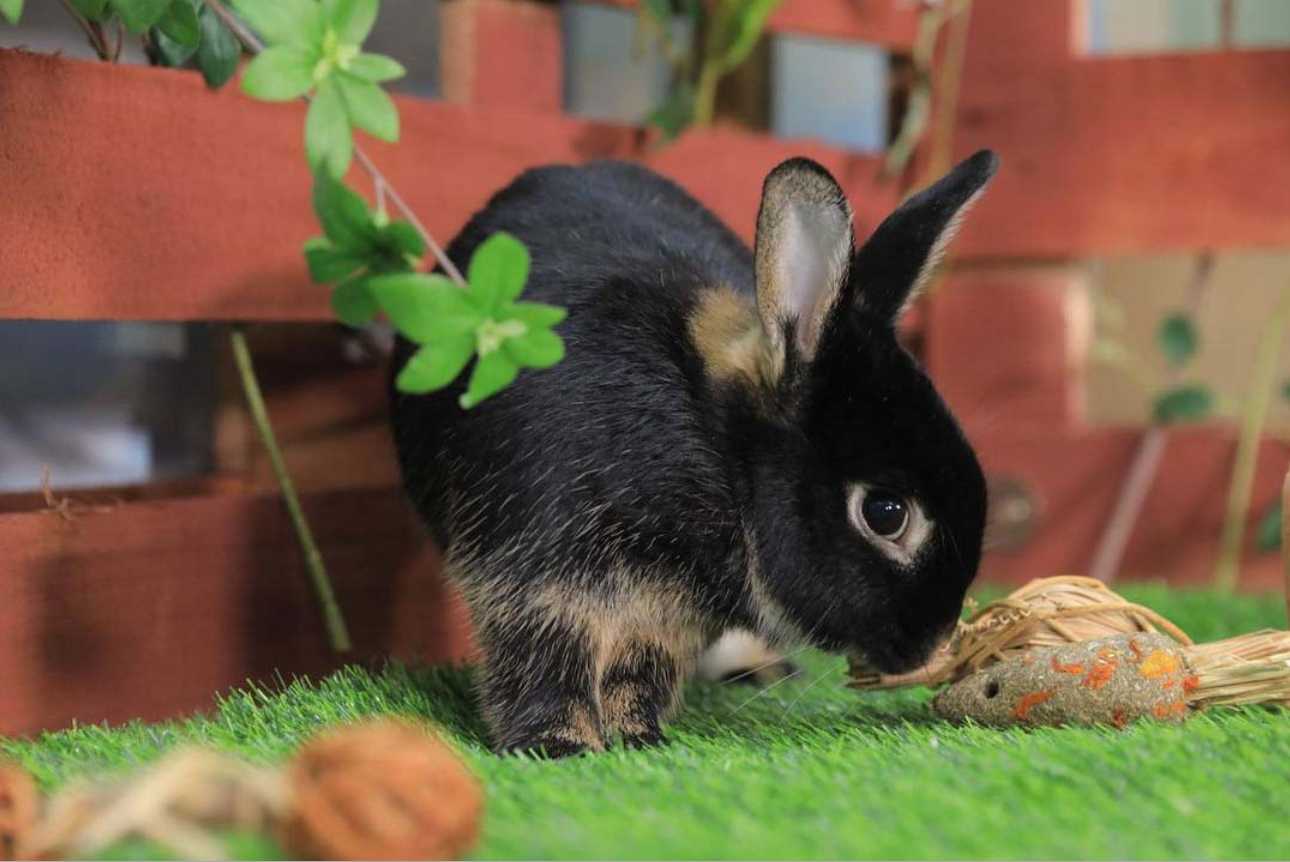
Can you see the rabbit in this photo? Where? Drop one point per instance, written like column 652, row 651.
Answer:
column 735, row 440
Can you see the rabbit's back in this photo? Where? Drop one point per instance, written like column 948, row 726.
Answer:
column 614, row 450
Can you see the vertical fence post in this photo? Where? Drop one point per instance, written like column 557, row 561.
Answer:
column 502, row 54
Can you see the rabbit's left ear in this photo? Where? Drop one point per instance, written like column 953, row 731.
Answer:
column 897, row 261
column 804, row 249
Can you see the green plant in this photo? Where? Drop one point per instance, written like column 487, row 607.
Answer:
column 1178, row 341
column 175, row 33
column 722, row 33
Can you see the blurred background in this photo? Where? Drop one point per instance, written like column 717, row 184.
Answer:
column 1133, row 308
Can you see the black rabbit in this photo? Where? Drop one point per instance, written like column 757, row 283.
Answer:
column 734, row 441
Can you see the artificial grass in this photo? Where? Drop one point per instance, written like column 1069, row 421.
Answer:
column 808, row 769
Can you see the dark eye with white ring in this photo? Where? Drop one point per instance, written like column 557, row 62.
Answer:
column 894, row 523
column 886, row 514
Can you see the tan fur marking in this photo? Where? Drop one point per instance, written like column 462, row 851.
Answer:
column 582, row 730
column 728, row 334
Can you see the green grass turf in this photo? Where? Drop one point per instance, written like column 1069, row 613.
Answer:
column 808, row 769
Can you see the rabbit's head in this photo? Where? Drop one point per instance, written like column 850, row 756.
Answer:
column 869, row 503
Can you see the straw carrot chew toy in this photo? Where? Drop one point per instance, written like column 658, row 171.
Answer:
column 1068, row 650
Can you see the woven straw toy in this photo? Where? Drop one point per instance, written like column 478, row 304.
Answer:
column 381, row 791
column 386, row 789
column 1068, row 650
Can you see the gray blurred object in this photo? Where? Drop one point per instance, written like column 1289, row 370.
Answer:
column 1163, row 26
column 833, row 91
column 605, row 77
column 104, row 403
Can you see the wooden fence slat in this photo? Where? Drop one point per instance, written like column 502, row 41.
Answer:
column 146, row 610
column 225, row 213
column 502, row 53
column 892, row 24
column 1119, row 155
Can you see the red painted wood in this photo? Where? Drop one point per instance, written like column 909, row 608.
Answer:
column 146, row 610
column 225, row 218
column 1009, row 344
column 502, row 53
column 890, row 23
column 1075, row 477
column 1110, row 155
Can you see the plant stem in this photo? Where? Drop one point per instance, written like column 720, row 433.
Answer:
column 1285, row 540
column 705, row 94
column 95, row 41
column 337, row 631
column 1133, row 494
column 1255, row 411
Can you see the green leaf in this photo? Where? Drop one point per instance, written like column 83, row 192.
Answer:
column 344, row 215
column 659, row 10
column 1268, row 535
column 1187, row 403
column 180, row 24
column 1177, row 339
column 353, row 303
column 676, row 112
column 498, row 269
column 425, row 308
column 139, row 15
column 1285, row 390
column 93, row 10
column 369, row 107
column 404, row 237
column 375, row 68
column 539, row 348
column 329, row 264
column 329, row 144
column 11, row 9
column 492, row 374
column 280, row 74
column 534, row 315
column 436, row 365
column 351, row 19
column 169, row 52
column 742, row 28
column 284, row 22
column 219, row 50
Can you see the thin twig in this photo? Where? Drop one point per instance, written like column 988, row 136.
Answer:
column 95, row 42
column 1253, row 415
column 395, row 198
column 337, row 631
column 1285, row 540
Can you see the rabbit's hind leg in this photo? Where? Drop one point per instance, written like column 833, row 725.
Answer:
column 638, row 690
column 538, row 686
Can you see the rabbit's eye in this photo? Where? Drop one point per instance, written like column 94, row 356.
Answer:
column 894, row 523
column 886, row 514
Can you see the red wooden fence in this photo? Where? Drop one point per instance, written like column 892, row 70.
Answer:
column 146, row 607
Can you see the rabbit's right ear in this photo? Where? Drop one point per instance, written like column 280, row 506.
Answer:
column 804, row 250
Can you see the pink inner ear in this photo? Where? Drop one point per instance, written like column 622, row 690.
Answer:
column 809, row 268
